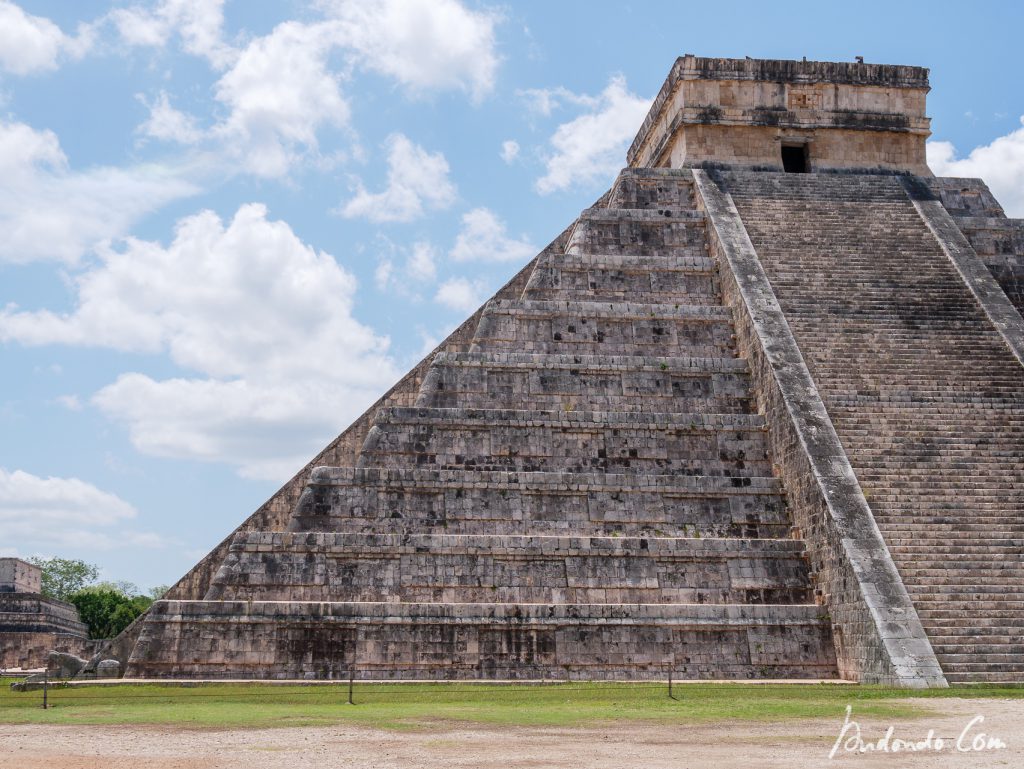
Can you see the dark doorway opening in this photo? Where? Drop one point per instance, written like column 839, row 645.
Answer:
column 794, row 159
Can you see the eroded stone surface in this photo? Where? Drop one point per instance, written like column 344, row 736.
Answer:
column 32, row 625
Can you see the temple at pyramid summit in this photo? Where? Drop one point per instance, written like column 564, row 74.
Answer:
column 758, row 413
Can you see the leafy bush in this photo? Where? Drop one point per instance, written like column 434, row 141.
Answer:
column 106, row 610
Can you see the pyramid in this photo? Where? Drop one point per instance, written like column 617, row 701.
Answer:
column 757, row 413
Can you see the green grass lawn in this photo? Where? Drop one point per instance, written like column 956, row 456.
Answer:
column 411, row 706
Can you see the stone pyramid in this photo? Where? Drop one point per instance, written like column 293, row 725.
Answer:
column 757, row 413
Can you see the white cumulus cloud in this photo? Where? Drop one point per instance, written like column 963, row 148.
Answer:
column 199, row 24
column 419, row 267
column 39, row 514
column 423, row 44
column 263, row 320
column 461, row 294
column 417, row 180
column 49, row 211
column 483, row 237
column 280, row 90
column 592, row 147
column 509, row 150
column 1000, row 164
column 544, row 101
column 169, row 124
column 34, row 43
column 279, row 93
column 422, row 263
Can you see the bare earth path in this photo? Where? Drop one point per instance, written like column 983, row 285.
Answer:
column 724, row 745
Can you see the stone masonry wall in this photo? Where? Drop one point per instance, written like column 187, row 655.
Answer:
column 31, row 650
column 739, row 111
column 431, row 641
column 18, row 576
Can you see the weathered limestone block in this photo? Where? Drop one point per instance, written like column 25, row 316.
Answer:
column 31, row 625
column 622, row 278
column 587, row 383
column 742, row 112
column 64, row 665
column 372, row 500
column 597, row 328
column 108, row 669
column 508, row 569
column 638, row 232
column 691, row 444
column 385, row 640
column 658, row 189
column 18, row 576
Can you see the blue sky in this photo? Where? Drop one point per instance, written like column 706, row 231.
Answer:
column 227, row 228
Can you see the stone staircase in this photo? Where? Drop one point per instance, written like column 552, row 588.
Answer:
column 584, row 493
column 927, row 399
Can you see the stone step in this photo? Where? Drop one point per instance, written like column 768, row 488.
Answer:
column 938, row 602
column 1011, row 677
column 636, row 231
column 592, row 277
column 960, row 549
column 459, row 502
column 908, row 533
column 953, row 579
column 36, row 613
column 609, row 328
column 966, row 634
column 660, row 189
column 982, row 661
column 445, row 568
column 983, row 560
column 942, row 593
column 293, row 640
column 589, row 383
column 960, row 647
column 471, row 439
column 980, row 613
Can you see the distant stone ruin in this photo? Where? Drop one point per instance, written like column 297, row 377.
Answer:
column 31, row 624
column 757, row 413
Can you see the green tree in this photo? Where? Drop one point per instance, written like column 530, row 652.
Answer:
column 63, row 576
column 107, row 611
column 125, row 588
column 158, row 592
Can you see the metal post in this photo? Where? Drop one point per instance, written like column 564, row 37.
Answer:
column 351, row 676
column 46, row 686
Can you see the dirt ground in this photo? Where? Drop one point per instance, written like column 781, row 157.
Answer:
column 451, row 746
